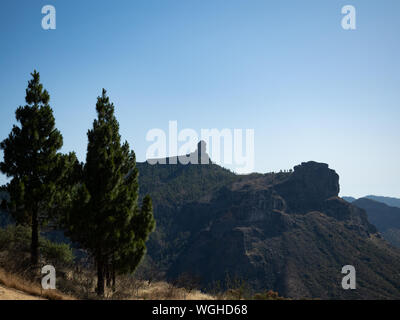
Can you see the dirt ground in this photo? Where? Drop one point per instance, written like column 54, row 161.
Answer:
column 12, row 294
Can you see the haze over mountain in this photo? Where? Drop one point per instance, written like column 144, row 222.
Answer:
column 384, row 213
column 384, row 217
column 349, row 199
column 390, row 201
column 287, row 231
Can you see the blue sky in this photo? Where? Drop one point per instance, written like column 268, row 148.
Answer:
column 309, row 89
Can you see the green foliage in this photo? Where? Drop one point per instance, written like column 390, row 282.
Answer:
column 32, row 160
column 105, row 218
column 56, row 253
column 174, row 184
column 16, row 240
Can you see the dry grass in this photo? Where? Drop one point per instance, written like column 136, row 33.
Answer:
column 166, row 291
column 16, row 282
column 129, row 288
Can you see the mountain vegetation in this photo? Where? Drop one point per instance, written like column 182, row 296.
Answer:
column 288, row 232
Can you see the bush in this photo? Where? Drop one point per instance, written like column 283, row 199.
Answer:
column 56, row 253
column 15, row 238
column 16, row 242
column 267, row 295
column 237, row 288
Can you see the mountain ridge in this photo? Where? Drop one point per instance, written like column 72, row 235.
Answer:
column 384, row 217
column 288, row 232
column 390, row 201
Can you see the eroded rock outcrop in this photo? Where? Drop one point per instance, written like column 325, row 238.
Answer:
column 309, row 186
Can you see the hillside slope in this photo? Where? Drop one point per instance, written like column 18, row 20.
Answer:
column 12, row 294
column 286, row 231
column 384, row 217
column 390, row 201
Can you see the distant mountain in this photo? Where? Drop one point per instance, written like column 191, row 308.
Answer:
column 393, row 202
column 288, row 231
column 384, row 217
column 349, row 199
column 384, row 213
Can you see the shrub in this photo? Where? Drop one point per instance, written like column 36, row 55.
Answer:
column 267, row 295
column 56, row 253
column 16, row 241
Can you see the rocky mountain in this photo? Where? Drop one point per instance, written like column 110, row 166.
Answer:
column 349, row 199
column 384, row 217
column 390, row 201
column 287, row 231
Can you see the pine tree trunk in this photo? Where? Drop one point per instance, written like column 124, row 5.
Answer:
column 35, row 240
column 108, row 276
column 113, row 273
column 100, row 278
column 113, row 279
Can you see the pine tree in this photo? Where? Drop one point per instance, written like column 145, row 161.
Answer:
column 106, row 219
column 32, row 160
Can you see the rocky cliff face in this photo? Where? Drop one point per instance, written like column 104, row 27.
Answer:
column 308, row 187
column 289, row 232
